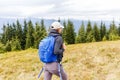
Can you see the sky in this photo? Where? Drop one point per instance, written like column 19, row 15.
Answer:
column 78, row 9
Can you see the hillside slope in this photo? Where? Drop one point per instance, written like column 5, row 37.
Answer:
column 89, row 61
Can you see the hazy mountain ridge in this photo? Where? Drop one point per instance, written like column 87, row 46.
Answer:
column 48, row 22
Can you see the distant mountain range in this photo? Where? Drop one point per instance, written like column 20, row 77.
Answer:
column 48, row 22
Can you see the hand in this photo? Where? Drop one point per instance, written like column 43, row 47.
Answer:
column 64, row 46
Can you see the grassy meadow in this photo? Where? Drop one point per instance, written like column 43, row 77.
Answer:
column 88, row 61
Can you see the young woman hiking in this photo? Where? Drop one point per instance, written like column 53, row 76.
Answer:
column 59, row 47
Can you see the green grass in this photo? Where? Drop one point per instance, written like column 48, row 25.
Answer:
column 89, row 61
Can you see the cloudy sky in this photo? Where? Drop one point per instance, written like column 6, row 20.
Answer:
column 80, row 9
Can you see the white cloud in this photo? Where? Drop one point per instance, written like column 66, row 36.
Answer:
column 94, row 9
column 25, row 10
column 80, row 9
column 93, row 4
column 31, row 11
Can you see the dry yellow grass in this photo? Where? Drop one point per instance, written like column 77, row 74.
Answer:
column 89, row 61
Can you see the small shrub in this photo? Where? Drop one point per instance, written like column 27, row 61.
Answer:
column 2, row 48
column 8, row 46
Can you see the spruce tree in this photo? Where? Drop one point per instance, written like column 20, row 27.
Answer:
column 2, row 48
column 104, row 38
column 3, row 35
column 29, row 37
column 14, row 30
column 107, row 34
column 90, row 37
column 8, row 46
column 7, row 33
column 113, row 28
column 89, row 28
column 104, row 31
column 101, row 31
column 19, row 33
column 119, row 30
column 70, row 34
column 64, row 31
column 24, row 36
column 89, row 32
column 15, row 44
column 96, row 32
column 43, row 30
column 12, row 34
column 81, row 34
column 113, row 35
column 8, row 36
column 37, row 35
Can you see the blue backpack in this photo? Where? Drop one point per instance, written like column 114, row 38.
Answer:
column 46, row 50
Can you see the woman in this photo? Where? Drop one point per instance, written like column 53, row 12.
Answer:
column 59, row 47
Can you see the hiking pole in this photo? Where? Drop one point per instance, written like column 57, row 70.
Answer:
column 59, row 71
column 40, row 72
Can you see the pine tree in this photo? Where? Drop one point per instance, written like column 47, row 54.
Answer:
column 24, row 36
column 89, row 28
column 101, row 31
column 37, row 35
column 113, row 35
column 119, row 30
column 30, row 38
column 113, row 28
column 43, row 30
column 89, row 32
column 3, row 35
column 64, row 31
column 81, row 34
column 93, row 39
column 7, row 33
column 15, row 45
column 90, row 37
column 96, row 32
column 12, row 34
column 8, row 36
column 14, row 30
column 70, row 34
column 107, row 34
column 104, row 38
column 2, row 48
column 8, row 46
column 104, row 31
column 19, row 33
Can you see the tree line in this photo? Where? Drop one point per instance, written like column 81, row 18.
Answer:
column 16, row 36
column 90, row 33
column 20, row 37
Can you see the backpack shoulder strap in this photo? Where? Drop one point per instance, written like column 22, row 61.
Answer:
column 55, row 37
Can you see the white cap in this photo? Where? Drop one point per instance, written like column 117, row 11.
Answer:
column 56, row 25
